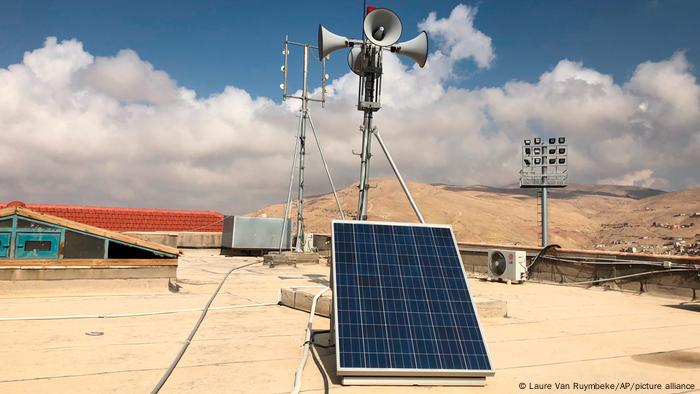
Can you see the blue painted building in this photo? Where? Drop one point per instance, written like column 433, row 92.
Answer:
column 32, row 238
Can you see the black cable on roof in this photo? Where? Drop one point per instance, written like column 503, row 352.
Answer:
column 542, row 251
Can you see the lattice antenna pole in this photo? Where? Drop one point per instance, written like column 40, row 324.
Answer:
column 300, row 151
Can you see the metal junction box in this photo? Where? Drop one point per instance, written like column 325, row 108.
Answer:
column 242, row 232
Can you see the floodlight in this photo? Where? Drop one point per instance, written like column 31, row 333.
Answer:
column 282, row 86
column 549, row 170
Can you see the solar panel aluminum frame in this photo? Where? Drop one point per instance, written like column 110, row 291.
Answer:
column 404, row 372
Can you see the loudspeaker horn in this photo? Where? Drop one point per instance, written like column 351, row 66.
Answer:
column 382, row 27
column 329, row 42
column 416, row 49
column 355, row 60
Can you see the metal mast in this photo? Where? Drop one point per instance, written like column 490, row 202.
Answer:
column 304, row 117
column 381, row 29
column 302, row 153
column 368, row 102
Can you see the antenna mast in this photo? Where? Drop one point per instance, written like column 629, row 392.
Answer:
column 300, row 147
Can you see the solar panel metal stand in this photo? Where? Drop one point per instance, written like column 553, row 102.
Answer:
column 411, row 381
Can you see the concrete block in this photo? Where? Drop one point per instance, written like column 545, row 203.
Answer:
column 302, row 299
column 287, row 297
column 290, row 258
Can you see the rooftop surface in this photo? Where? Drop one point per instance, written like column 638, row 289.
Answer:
column 553, row 335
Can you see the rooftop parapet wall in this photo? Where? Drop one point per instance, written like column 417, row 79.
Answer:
column 664, row 275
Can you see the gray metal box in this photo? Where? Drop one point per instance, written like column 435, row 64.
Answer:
column 242, row 232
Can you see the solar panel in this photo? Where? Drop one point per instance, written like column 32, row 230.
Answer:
column 402, row 303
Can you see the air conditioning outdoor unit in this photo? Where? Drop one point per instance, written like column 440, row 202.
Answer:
column 507, row 265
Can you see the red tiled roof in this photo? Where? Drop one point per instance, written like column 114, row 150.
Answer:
column 134, row 219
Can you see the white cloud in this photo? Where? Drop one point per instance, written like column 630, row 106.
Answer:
column 457, row 36
column 641, row 178
column 128, row 78
column 55, row 64
column 116, row 130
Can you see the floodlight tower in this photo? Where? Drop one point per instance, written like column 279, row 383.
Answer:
column 544, row 166
column 300, row 146
column 382, row 29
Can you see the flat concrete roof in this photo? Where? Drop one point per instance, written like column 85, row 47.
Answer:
column 553, row 335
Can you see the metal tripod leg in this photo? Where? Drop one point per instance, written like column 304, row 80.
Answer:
column 325, row 166
column 398, row 175
column 291, row 182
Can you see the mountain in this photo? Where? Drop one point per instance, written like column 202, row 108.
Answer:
column 581, row 216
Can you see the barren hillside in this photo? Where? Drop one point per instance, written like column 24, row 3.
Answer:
column 581, row 216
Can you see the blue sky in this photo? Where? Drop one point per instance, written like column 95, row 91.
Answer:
column 187, row 106
column 207, row 45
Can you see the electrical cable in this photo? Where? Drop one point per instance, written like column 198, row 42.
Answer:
column 307, row 343
column 542, row 251
column 201, row 227
column 615, row 262
column 172, row 366
column 317, row 361
column 622, row 277
column 137, row 314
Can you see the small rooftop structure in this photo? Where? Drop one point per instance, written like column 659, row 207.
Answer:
column 32, row 244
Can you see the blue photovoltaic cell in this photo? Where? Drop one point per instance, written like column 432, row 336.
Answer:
column 402, row 300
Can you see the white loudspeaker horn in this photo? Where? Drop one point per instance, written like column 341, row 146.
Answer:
column 329, row 42
column 416, row 49
column 382, row 27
